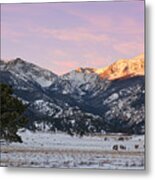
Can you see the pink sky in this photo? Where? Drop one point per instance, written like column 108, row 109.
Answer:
column 64, row 36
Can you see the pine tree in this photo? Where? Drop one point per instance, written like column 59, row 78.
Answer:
column 12, row 118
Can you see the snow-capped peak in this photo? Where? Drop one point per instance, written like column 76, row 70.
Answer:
column 80, row 76
column 123, row 68
column 29, row 71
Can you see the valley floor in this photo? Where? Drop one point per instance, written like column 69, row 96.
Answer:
column 63, row 151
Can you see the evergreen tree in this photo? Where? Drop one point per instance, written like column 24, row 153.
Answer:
column 11, row 118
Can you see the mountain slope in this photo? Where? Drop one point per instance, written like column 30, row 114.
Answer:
column 93, row 100
column 29, row 83
column 79, row 83
column 28, row 72
column 123, row 68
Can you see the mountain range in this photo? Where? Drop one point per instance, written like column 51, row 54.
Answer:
column 85, row 100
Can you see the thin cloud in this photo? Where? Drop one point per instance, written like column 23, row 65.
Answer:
column 69, row 36
column 129, row 47
column 110, row 24
column 74, row 34
column 58, row 53
column 94, row 20
column 7, row 32
column 130, row 26
column 62, row 67
column 96, row 60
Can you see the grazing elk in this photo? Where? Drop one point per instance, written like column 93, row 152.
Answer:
column 115, row 147
column 136, row 146
column 122, row 147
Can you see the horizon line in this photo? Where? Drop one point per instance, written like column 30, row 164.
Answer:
column 5, row 60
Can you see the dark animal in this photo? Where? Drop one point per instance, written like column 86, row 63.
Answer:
column 122, row 147
column 115, row 147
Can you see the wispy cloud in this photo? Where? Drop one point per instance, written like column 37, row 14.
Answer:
column 129, row 47
column 108, row 23
column 94, row 59
column 8, row 32
column 72, row 34
column 102, row 21
column 60, row 66
column 64, row 36
column 129, row 26
column 59, row 53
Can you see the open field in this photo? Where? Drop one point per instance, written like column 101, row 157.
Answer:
column 63, row 151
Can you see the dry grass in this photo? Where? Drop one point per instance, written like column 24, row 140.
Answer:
column 70, row 151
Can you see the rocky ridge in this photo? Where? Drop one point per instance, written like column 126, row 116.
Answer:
column 85, row 100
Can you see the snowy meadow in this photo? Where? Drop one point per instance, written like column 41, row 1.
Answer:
column 59, row 150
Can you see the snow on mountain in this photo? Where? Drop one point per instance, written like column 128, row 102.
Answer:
column 46, row 107
column 28, row 71
column 85, row 99
column 79, row 83
column 77, row 78
column 123, row 68
column 82, row 81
